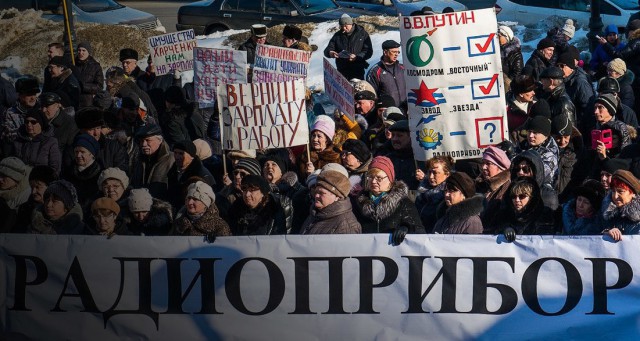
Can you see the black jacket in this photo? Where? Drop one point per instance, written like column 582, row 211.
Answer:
column 535, row 65
column 512, row 62
column 560, row 103
column 250, row 47
column 267, row 219
column 626, row 94
column 64, row 129
column 356, row 42
column 395, row 209
column 157, row 223
column 183, row 123
column 179, row 182
column 68, row 88
column 89, row 75
column 580, row 92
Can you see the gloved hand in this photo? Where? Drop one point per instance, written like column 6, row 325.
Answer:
column 397, row 237
column 210, row 238
column 510, row 234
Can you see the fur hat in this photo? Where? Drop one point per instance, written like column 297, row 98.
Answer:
column 105, row 203
column 239, row 154
column 328, row 127
column 334, row 182
column 365, row 94
column 175, row 95
column 85, row 45
column 567, row 59
column 41, row 173
column 506, row 32
column 140, row 200
column 345, row 19
column 384, row 164
column 540, row 108
column 463, row 182
column 37, row 115
column 358, row 149
column 259, row 30
column 336, row 167
column 628, row 179
column 63, row 190
column 561, row 125
column 608, row 85
column 593, row 191
column 202, row 192
column 540, row 124
column 88, row 118
column 292, row 32
column 128, row 54
column 203, row 149
column 113, row 173
column 27, row 85
column 545, row 43
column 256, row 181
column 187, row 146
column 618, row 65
column 522, row 84
column 251, row 165
column 88, row 142
column 552, row 72
column 568, row 29
column 497, row 156
column 14, row 168
column 610, row 101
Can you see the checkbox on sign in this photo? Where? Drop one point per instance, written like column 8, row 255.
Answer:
column 481, row 45
column 485, row 87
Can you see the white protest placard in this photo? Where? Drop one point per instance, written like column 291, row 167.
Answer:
column 213, row 67
column 279, row 64
column 454, row 83
column 263, row 115
column 172, row 51
column 339, row 89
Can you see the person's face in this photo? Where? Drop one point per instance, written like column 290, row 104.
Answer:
column 391, row 55
column 489, row 169
column 452, row 196
column 28, row 101
column 56, row 70
column 260, row 40
column 349, row 161
column 183, row 159
column 54, row 208
column 436, row 175
column 128, row 65
column 318, row 141
column 150, row 145
column 112, row 188
column 32, row 127
column 612, row 38
column 524, row 169
column 287, row 42
column 547, row 84
column 400, row 140
column 7, row 183
column 272, row 172
column 520, row 201
column 194, row 206
column 54, row 51
column 535, row 138
column 602, row 113
column 323, row 198
column 238, row 175
column 96, row 132
column 83, row 54
column 378, row 183
column 548, row 53
column 621, row 196
column 583, row 206
column 83, row 156
column 503, row 40
column 527, row 96
column 105, row 223
column 566, row 70
column 37, row 190
column 605, row 179
column 562, row 141
column 363, row 106
column 51, row 110
column 346, row 28
column 140, row 216
column 252, row 197
column 613, row 74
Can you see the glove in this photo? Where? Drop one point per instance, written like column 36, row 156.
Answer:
column 510, row 234
column 210, row 238
column 397, row 237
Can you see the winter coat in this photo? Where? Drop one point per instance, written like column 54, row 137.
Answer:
column 516, row 116
column 178, row 182
column 567, row 158
column 157, row 223
column 631, row 56
column 121, row 229
column 394, row 209
column 494, row 189
column 39, row 150
column 405, row 166
column 580, row 91
column 389, row 80
column 626, row 94
column 64, row 129
column 127, row 88
column 600, row 58
column 8, row 95
column 266, row 219
column 534, row 66
column 461, row 218
column 151, row 171
column 182, row 123
column 9, row 218
column 89, row 75
column 355, row 42
column 626, row 218
column 68, row 88
column 319, row 159
column 572, row 225
column 249, row 46
column 70, row 223
column 283, row 192
column 511, row 55
column 85, row 181
column 11, row 120
column 560, row 103
column 301, row 203
column 209, row 223
column 427, row 204
column 548, row 193
column 337, row 218
column 548, row 151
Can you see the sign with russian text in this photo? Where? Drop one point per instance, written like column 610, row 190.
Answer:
column 346, row 287
column 279, row 64
column 263, row 115
column 172, row 51
column 213, row 67
column 454, row 83
column 339, row 90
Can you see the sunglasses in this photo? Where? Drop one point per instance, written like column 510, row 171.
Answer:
column 525, row 169
column 32, row 122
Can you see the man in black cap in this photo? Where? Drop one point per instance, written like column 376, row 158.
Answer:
column 577, row 85
column 11, row 119
column 129, row 60
column 554, row 92
column 64, row 83
column 387, row 76
column 351, row 46
column 150, row 170
column 60, row 118
column 186, row 170
column 258, row 36
column 540, row 59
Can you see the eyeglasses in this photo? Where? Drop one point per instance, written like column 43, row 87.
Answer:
column 519, row 196
column 32, row 122
column 393, row 52
column 524, row 169
column 378, row 179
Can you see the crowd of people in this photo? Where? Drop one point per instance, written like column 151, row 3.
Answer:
column 128, row 152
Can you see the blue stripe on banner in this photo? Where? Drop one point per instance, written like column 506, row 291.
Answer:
column 457, row 133
column 452, row 48
column 457, row 87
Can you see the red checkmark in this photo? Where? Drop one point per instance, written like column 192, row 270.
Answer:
column 483, row 48
column 487, row 89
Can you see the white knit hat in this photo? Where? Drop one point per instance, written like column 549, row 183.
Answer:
column 113, row 173
column 568, row 29
column 201, row 191
column 506, row 32
column 140, row 200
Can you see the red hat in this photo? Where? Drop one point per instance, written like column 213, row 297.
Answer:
column 384, row 164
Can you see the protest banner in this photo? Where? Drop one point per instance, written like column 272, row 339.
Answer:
column 279, row 64
column 172, row 51
column 263, row 115
column 329, row 287
column 213, row 67
column 339, row 90
column 454, row 83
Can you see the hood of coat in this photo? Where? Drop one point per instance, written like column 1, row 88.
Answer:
column 534, row 159
column 630, row 211
column 387, row 205
column 461, row 211
column 67, row 223
column 627, row 78
column 510, row 47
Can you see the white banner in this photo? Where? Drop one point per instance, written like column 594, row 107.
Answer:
column 454, row 83
column 279, row 64
column 213, row 67
column 172, row 51
column 263, row 115
column 346, row 287
column 338, row 89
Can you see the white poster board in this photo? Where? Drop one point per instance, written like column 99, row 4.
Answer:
column 172, row 51
column 213, row 67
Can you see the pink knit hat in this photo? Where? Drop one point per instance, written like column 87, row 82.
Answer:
column 384, row 164
column 326, row 125
column 497, row 156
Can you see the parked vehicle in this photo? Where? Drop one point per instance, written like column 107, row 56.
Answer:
column 404, row 7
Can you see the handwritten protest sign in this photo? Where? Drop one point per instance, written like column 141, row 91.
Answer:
column 279, row 64
column 338, row 89
column 454, row 83
column 213, row 67
column 263, row 115
column 172, row 51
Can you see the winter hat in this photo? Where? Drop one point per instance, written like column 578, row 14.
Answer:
column 618, row 65
column 506, row 32
column 392, row 115
column 390, row 44
column 365, row 94
column 610, row 101
column 259, row 30
column 568, row 29
column 385, row 101
column 628, row 179
column 14, row 168
column 187, row 146
column 236, row 154
column 402, row 125
column 88, row 118
column 277, row 159
column 148, row 130
column 611, row 28
column 384, row 164
column 345, row 19
column 105, row 203
column 545, row 43
column 567, row 59
column 115, row 74
column 328, row 127
column 361, row 85
column 88, row 142
column 540, row 124
column 86, row 45
column 113, row 173
column 540, row 108
column 292, row 32
column 334, row 182
column 41, row 173
column 174, row 95
column 522, row 84
column 561, row 125
column 463, row 182
column 37, row 115
column 256, row 181
column 48, row 98
column 312, row 178
column 336, row 167
column 552, row 72
column 612, row 165
column 250, row 165
column 27, row 86
column 58, row 61
column 358, row 149
column 128, row 54
column 202, row 192
column 63, row 190
column 203, row 149
column 592, row 190
column 608, row 85
column 140, row 200
column 497, row 156
column 131, row 101
column 633, row 25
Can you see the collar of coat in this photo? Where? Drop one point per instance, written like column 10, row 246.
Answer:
column 461, row 211
column 630, row 211
column 388, row 204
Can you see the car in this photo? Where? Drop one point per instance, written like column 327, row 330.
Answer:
column 404, row 7
column 107, row 12
column 208, row 16
column 530, row 12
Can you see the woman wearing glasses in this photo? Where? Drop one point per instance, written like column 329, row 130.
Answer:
column 529, row 164
column 35, row 144
column 257, row 213
column 621, row 207
column 385, row 207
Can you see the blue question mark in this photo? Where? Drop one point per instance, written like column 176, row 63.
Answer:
column 493, row 130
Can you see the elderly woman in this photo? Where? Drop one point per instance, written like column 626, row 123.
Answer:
column 460, row 212
column 147, row 216
column 60, row 213
column 581, row 216
column 257, row 213
column 331, row 211
column 356, row 157
column 385, row 207
column 114, row 183
column 621, row 208
column 85, row 171
column 199, row 216
column 321, row 145
column 35, row 144
column 438, row 170
column 105, row 211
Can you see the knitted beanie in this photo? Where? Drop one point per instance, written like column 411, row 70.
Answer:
column 609, row 101
column 88, row 142
column 497, row 156
column 251, row 165
column 187, row 146
column 618, row 65
column 334, row 182
column 140, row 200
column 540, row 108
column 64, row 191
column 540, row 124
column 113, row 173
column 357, row 148
column 545, row 43
column 202, row 192
column 336, row 167
column 384, row 164
column 345, row 19
column 568, row 29
column 273, row 157
column 592, row 190
column 86, row 45
column 506, row 32
column 12, row 167
column 463, row 182
column 326, row 126
column 203, row 149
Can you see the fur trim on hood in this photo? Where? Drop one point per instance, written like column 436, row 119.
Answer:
column 630, row 211
column 461, row 211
